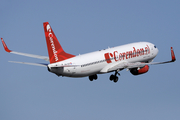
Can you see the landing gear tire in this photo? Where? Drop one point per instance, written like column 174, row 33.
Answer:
column 93, row 77
column 115, row 79
column 90, row 78
column 112, row 77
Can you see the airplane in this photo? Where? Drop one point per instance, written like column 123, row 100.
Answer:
column 135, row 57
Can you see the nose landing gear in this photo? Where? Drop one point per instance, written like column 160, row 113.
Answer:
column 114, row 77
column 93, row 77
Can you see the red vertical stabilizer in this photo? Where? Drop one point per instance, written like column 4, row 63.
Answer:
column 55, row 51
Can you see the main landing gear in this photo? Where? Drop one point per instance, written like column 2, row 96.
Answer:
column 114, row 77
column 93, row 77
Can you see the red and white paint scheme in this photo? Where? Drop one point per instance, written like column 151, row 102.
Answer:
column 135, row 57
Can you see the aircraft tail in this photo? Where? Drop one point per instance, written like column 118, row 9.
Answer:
column 55, row 51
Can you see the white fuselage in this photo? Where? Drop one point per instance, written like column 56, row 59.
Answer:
column 96, row 62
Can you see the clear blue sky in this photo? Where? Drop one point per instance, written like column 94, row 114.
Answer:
column 81, row 26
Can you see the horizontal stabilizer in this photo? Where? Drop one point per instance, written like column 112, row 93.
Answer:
column 35, row 64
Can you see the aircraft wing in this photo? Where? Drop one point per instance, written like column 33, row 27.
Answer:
column 123, row 65
column 23, row 54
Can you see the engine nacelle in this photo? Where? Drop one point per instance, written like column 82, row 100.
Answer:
column 143, row 70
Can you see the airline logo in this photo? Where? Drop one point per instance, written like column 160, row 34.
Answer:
column 126, row 55
column 50, row 35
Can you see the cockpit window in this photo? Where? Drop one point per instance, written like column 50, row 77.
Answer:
column 154, row 46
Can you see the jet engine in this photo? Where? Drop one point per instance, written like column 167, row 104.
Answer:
column 142, row 70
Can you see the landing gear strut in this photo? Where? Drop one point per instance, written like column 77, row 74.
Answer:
column 93, row 77
column 114, row 77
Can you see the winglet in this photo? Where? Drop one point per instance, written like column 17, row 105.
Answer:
column 5, row 46
column 173, row 55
